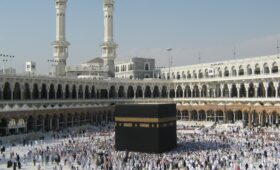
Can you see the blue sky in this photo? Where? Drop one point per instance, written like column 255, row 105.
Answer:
column 143, row 28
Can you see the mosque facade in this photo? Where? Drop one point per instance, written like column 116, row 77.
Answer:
column 245, row 90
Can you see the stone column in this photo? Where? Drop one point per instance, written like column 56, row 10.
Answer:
column 31, row 92
column 43, row 125
column 238, row 92
column 48, row 92
column 2, row 93
column 22, row 94
column 50, row 123
column 72, row 120
column 225, row 118
column 250, row 119
column 57, row 123
column 260, row 120
column 168, row 94
column 12, row 93
column 265, row 90
column 276, row 89
column 270, row 120
column 266, row 119
column 35, row 128
column 7, row 131
column 199, row 91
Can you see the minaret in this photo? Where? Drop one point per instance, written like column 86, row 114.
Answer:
column 60, row 45
column 109, row 46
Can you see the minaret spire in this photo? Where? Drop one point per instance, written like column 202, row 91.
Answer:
column 60, row 45
column 109, row 46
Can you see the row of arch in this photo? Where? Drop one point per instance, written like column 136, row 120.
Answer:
column 223, row 72
column 234, row 90
column 51, row 122
column 230, row 116
column 271, row 89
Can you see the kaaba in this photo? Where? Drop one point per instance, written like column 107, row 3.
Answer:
column 148, row 128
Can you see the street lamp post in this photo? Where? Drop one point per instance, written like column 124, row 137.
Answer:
column 170, row 61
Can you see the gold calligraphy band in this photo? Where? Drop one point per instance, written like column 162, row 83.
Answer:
column 145, row 120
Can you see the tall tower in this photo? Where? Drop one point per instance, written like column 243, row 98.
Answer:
column 60, row 45
column 109, row 46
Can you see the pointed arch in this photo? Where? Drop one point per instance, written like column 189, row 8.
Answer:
column 164, row 92
column 87, row 92
column 112, row 92
column 81, row 92
column 242, row 90
column 17, row 92
column 67, row 92
column 172, row 93
column 52, row 92
column 35, row 92
column 195, row 91
column 271, row 92
column 139, row 92
column 26, row 92
column 226, row 91
column 188, row 92
column 121, row 92
column 74, row 92
column 44, row 92
column 59, row 93
column 156, row 92
column 251, row 90
column 148, row 93
column 179, row 92
column 234, row 92
column 261, row 90
column 130, row 92
column 204, row 91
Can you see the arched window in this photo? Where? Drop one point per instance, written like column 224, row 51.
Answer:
column 257, row 69
column 266, row 69
column 249, row 70
column 146, row 66
column 226, row 73
column 274, row 68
